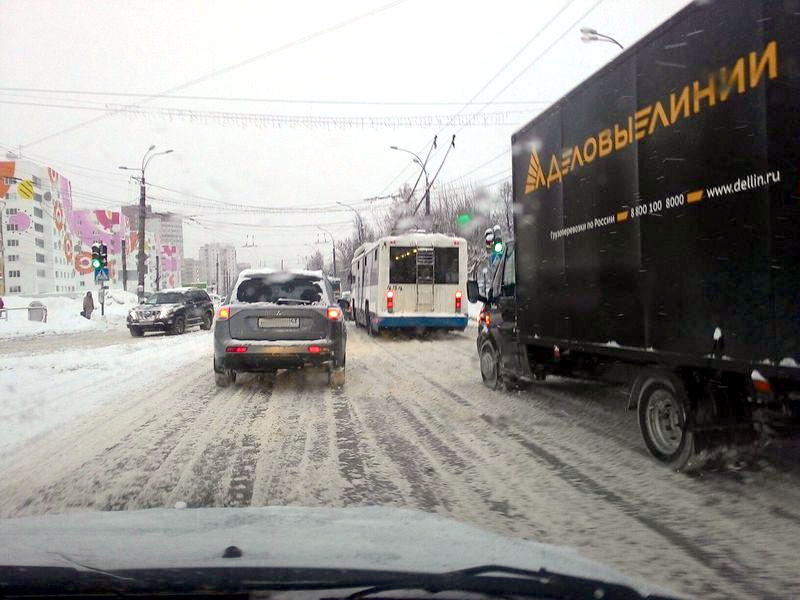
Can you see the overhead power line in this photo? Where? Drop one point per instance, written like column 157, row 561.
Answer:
column 272, row 51
column 488, row 83
column 260, row 100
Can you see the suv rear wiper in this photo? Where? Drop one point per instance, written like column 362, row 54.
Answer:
column 292, row 301
column 507, row 581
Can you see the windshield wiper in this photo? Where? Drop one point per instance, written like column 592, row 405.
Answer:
column 507, row 581
column 346, row 584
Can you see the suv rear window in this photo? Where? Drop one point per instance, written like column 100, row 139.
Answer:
column 282, row 289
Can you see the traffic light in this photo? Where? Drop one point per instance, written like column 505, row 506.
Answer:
column 489, row 237
column 103, row 256
column 497, row 240
column 97, row 259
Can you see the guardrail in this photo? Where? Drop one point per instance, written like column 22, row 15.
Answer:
column 36, row 312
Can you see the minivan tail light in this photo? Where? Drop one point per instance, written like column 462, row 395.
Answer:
column 458, row 301
column 760, row 383
column 224, row 312
column 390, row 300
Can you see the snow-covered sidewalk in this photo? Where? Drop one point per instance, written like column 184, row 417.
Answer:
column 64, row 314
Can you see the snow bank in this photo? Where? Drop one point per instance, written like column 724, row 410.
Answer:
column 63, row 314
column 40, row 392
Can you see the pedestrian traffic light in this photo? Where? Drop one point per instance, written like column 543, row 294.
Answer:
column 97, row 260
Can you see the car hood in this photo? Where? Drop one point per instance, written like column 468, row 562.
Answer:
column 143, row 307
column 372, row 538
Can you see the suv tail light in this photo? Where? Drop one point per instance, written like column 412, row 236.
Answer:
column 334, row 313
column 224, row 312
column 458, row 301
column 390, row 300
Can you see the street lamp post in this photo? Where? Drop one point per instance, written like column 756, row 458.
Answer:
column 333, row 247
column 418, row 160
column 143, row 215
column 360, row 222
column 591, row 35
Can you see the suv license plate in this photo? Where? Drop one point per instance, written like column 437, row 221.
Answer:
column 278, row 322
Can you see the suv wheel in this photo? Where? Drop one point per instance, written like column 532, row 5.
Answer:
column 206, row 324
column 179, row 326
column 225, row 379
column 336, row 377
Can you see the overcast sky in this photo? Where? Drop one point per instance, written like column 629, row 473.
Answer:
column 65, row 64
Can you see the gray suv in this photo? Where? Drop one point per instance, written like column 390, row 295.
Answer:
column 279, row 320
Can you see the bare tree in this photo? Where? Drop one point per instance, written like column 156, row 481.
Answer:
column 315, row 262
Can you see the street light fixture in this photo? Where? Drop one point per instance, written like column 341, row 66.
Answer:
column 360, row 222
column 418, row 160
column 592, row 35
column 143, row 214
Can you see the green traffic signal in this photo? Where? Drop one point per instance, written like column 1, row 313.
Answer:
column 497, row 247
column 96, row 263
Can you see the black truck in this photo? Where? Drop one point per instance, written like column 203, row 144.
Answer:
column 657, row 232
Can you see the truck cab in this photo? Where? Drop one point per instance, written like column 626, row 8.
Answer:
column 503, row 359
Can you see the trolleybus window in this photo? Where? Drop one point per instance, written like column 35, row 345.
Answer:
column 402, row 264
column 446, row 265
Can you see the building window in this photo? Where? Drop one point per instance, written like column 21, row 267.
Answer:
column 14, row 289
column 37, row 212
column 38, row 227
column 36, row 181
column 14, row 273
column 37, row 197
column 11, row 227
column 40, row 273
column 39, row 243
column 82, row 283
column 12, row 257
column 13, row 243
column 11, row 211
column 39, row 258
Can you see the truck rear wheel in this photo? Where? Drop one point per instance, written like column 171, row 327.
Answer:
column 663, row 408
column 490, row 367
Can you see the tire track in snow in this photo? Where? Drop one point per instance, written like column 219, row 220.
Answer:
column 366, row 485
column 455, row 465
column 221, row 473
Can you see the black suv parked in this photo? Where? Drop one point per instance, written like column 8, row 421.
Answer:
column 172, row 311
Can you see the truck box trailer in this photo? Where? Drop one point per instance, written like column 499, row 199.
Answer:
column 657, row 231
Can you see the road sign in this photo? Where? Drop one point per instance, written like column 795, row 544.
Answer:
column 101, row 274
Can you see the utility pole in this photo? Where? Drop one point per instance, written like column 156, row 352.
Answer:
column 124, row 267
column 143, row 215
column 158, row 272
column 216, row 281
column 140, row 258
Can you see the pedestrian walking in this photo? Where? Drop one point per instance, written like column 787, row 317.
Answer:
column 88, row 305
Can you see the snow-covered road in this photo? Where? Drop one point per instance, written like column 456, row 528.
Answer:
column 413, row 427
